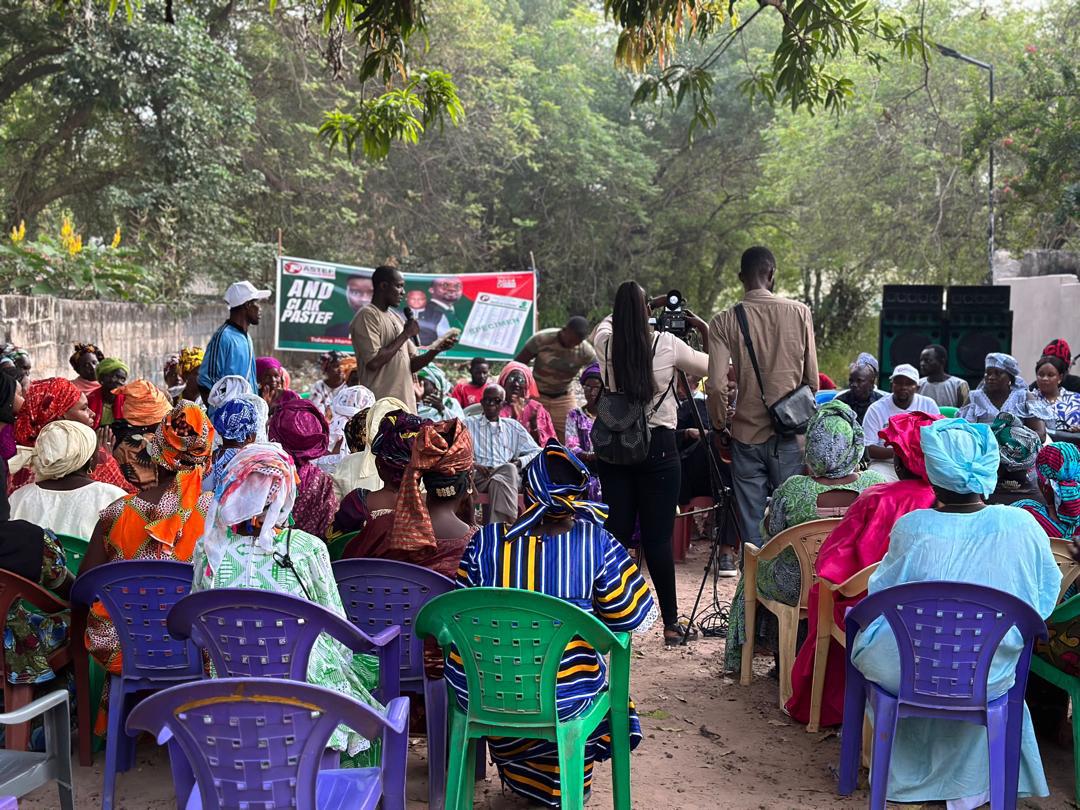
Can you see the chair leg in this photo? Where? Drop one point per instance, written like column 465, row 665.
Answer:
column 113, row 741
column 789, row 634
column 58, row 745
column 851, row 741
column 17, row 695
column 435, row 711
column 459, row 783
column 996, row 734
column 884, row 733
column 1074, row 697
column 572, row 768
column 821, row 656
column 620, row 759
column 750, row 618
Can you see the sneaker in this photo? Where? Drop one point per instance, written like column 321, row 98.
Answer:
column 726, row 567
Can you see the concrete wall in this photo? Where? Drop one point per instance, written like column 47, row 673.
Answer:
column 140, row 334
column 1044, row 308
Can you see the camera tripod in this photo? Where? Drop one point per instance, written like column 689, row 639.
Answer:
column 714, row 621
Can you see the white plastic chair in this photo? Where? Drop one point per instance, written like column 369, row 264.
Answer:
column 805, row 539
column 24, row 771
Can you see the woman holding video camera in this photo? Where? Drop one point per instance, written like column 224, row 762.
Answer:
column 641, row 364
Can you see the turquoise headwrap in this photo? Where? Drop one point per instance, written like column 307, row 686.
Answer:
column 960, row 456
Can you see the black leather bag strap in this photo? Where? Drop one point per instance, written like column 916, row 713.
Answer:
column 744, row 327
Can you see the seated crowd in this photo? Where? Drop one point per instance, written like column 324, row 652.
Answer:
column 260, row 487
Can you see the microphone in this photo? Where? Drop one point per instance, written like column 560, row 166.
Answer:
column 408, row 313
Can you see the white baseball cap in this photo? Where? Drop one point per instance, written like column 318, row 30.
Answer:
column 243, row 291
column 905, row 370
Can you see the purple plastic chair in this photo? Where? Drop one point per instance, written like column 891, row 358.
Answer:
column 946, row 634
column 138, row 595
column 258, row 743
column 386, row 593
column 264, row 634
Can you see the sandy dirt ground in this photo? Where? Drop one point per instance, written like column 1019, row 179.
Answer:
column 709, row 743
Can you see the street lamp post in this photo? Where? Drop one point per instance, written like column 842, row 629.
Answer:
column 954, row 54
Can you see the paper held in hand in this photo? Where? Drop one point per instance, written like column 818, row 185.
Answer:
column 496, row 322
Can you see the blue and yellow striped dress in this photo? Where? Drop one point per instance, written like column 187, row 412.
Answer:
column 588, row 567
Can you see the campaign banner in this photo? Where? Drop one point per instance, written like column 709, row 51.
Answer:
column 494, row 313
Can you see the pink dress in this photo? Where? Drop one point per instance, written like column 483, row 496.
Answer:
column 534, row 417
column 861, row 539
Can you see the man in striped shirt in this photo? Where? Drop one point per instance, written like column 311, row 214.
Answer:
column 501, row 447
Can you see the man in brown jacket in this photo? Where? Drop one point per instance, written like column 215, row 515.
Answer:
column 782, row 332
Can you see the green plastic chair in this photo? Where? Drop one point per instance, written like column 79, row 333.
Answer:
column 74, row 550
column 948, row 411
column 511, row 642
column 336, row 547
column 1065, row 612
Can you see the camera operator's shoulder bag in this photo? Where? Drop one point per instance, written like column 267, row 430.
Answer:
column 621, row 434
column 792, row 411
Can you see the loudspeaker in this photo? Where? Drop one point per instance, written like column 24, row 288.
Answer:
column 912, row 298
column 979, row 299
column 903, row 336
column 973, row 335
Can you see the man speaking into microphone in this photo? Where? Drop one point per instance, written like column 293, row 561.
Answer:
column 386, row 352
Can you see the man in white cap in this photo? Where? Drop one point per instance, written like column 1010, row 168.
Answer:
column 230, row 350
column 904, row 398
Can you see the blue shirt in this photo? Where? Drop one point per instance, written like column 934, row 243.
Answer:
column 229, row 351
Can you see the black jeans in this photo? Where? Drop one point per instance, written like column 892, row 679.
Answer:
column 648, row 493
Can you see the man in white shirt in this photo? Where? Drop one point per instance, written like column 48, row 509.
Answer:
column 501, row 446
column 905, row 382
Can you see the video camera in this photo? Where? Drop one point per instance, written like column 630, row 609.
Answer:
column 672, row 317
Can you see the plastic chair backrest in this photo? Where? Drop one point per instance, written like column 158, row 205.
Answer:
column 14, row 588
column 948, row 411
column 1069, row 567
column 383, row 593
column 947, row 634
column 805, row 539
column 138, row 594
column 257, row 743
column 821, row 397
column 74, row 550
column 255, row 633
column 511, row 643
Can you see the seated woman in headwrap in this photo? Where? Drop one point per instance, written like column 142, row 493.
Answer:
column 372, row 513
column 302, row 431
column 1058, row 467
column 834, row 447
column 436, row 403
column 232, row 387
column 579, row 422
column 56, row 399
column 145, row 405
column 188, row 367
column 162, row 522
column 571, row 556
column 1018, row 447
column 862, row 390
column 961, row 539
column 33, row 553
column 356, row 471
column 104, row 401
column 84, row 360
column 427, row 531
column 270, row 376
column 1003, row 389
column 861, row 539
column 63, row 497
column 245, row 546
column 333, row 380
column 522, row 405
column 236, row 424
column 347, row 402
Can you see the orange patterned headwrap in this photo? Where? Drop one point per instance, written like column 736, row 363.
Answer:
column 445, row 448
column 184, row 439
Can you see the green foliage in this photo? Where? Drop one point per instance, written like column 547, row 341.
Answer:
column 65, row 267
